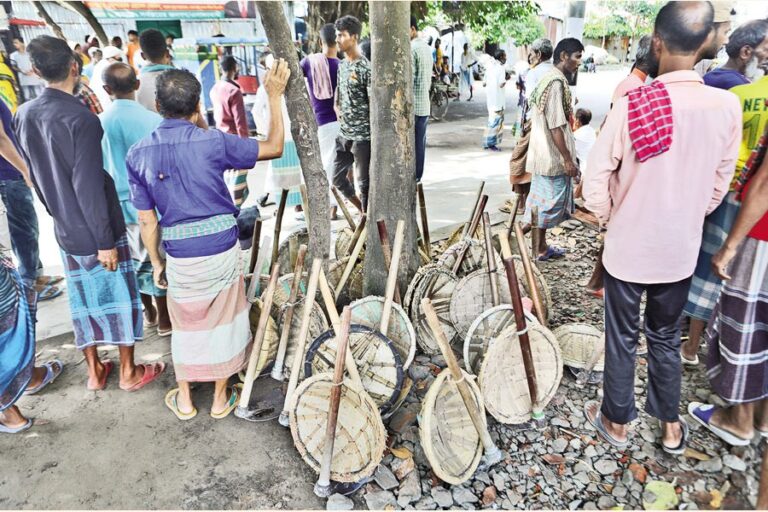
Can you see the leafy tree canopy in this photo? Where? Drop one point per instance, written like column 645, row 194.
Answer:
column 621, row 18
column 493, row 22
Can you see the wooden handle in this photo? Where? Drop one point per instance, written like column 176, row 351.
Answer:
column 255, row 246
column 392, row 277
column 333, row 411
column 277, row 369
column 473, row 213
column 471, row 232
column 304, row 202
column 301, row 342
column 528, row 268
column 253, row 288
column 424, row 224
column 513, row 216
column 258, row 340
column 476, row 413
column 344, row 209
column 387, row 251
column 351, row 262
column 535, row 231
column 355, row 236
column 279, row 224
column 490, row 254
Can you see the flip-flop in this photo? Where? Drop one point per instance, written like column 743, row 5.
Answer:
column 552, row 253
column 48, row 292
column 50, row 376
column 598, row 294
column 9, row 430
column 689, row 362
column 50, row 280
column 172, row 404
column 234, row 398
column 702, row 413
column 147, row 322
column 597, row 423
column 680, row 448
column 763, row 433
column 108, row 365
column 151, row 372
column 164, row 332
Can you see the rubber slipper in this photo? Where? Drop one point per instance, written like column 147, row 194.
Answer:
column 234, row 398
column 108, row 365
column 597, row 423
column 48, row 292
column 49, row 280
column 9, row 430
column 50, row 376
column 689, row 362
column 598, row 294
column 763, row 433
column 171, row 402
column 702, row 413
column 147, row 322
column 552, row 253
column 164, row 332
column 680, row 448
column 151, row 372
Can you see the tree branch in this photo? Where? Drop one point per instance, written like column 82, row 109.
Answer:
column 48, row 20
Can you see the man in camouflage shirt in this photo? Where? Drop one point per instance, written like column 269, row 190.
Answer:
column 353, row 145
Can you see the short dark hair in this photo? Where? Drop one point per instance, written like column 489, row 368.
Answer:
column 152, row 43
column 499, row 53
column 228, row 63
column 684, row 26
column 751, row 34
column 437, row 41
column 177, row 93
column 365, row 48
column 328, row 35
column 132, row 33
column 117, row 38
column 569, row 45
column 173, row 37
column 120, row 77
column 19, row 39
column 51, row 58
column 414, row 23
column 349, row 24
column 584, row 116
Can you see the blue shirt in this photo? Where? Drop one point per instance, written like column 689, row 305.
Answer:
column 7, row 171
column 179, row 169
column 125, row 123
column 724, row 78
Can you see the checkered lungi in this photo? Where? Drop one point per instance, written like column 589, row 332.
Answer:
column 553, row 195
column 494, row 132
column 737, row 365
column 705, row 286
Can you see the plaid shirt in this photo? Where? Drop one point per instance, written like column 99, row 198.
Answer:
column 88, row 98
column 422, row 76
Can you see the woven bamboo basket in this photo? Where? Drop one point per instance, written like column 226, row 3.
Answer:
column 271, row 339
column 448, row 436
column 377, row 359
column 502, row 375
column 541, row 284
column 285, row 256
column 343, row 239
column 408, row 297
column 368, row 310
column 455, row 237
column 489, row 324
column 437, row 283
column 354, row 287
column 472, row 296
column 360, row 434
column 475, row 258
column 317, row 326
column 578, row 342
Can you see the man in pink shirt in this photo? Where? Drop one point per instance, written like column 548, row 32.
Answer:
column 645, row 66
column 654, row 204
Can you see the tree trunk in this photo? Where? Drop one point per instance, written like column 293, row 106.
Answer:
column 48, row 20
column 322, row 12
column 393, row 178
column 303, row 129
column 83, row 10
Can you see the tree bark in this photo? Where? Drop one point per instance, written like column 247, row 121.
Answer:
column 321, row 12
column 303, row 129
column 85, row 12
column 393, row 177
column 48, row 20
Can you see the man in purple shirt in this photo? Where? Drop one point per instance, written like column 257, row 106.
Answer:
column 321, row 71
column 747, row 50
column 178, row 172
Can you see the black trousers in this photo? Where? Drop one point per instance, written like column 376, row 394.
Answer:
column 664, row 305
column 350, row 152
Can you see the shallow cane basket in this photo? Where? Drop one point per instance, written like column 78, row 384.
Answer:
column 450, row 441
column 437, row 283
column 377, row 360
column 283, row 293
column 472, row 296
column 502, row 375
column 368, row 310
column 317, row 326
column 474, row 259
column 360, row 434
column 271, row 338
column 288, row 250
column 487, row 326
column 541, row 284
column 456, row 237
column 343, row 239
column 578, row 343
column 353, row 290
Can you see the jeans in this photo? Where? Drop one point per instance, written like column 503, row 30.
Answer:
column 348, row 152
column 22, row 221
column 421, row 144
column 664, row 304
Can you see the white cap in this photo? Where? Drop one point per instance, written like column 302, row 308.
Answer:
column 92, row 50
column 112, row 52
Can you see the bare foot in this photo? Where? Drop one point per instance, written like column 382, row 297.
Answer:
column 96, row 378
column 12, row 417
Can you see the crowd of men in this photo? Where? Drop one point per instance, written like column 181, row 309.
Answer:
column 146, row 220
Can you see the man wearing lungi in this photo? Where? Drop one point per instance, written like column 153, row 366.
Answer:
column 551, row 156
column 60, row 140
column 178, row 172
column 675, row 136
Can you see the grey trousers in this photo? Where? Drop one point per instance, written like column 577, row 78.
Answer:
column 664, row 305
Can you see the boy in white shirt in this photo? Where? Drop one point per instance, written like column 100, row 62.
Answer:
column 584, row 136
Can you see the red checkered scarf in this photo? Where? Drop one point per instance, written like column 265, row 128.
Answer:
column 650, row 120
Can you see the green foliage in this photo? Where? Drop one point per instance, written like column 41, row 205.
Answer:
column 621, row 18
column 494, row 22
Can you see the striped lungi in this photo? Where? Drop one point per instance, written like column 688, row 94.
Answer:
column 553, row 195
column 705, row 285
column 285, row 173
column 737, row 365
column 142, row 264
column 494, row 132
column 237, row 184
column 211, row 337
column 105, row 305
column 17, row 334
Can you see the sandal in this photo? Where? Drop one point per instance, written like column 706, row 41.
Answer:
column 552, row 253
column 46, row 280
column 171, row 402
column 147, row 321
column 164, row 332
column 50, row 376
column 108, row 365
column 234, row 398
column 598, row 294
column 48, row 292
column 702, row 413
column 680, row 448
column 10, row 430
column 689, row 362
column 597, row 423
column 151, row 372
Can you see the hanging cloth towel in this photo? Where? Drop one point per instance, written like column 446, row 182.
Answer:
column 650, row 120
column 322, row 87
